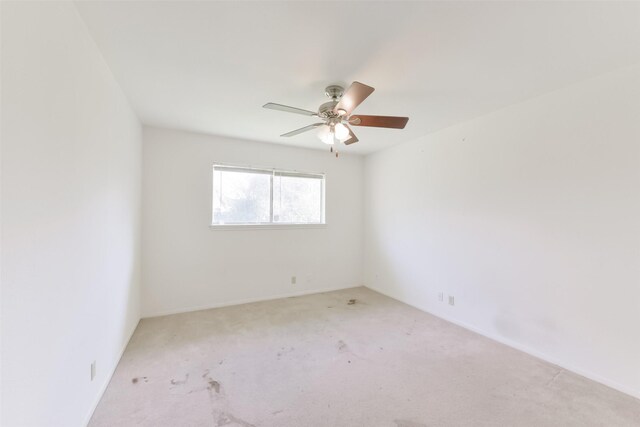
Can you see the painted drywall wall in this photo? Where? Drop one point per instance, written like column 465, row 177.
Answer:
column 71, row 165
column 530, row 218
column 189, row 265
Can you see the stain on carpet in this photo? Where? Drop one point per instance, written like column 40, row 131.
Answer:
column 180, row 382
column 226, row 419
column 214, row 385
column 137, row 379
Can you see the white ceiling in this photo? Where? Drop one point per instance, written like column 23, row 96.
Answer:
column 210, row 66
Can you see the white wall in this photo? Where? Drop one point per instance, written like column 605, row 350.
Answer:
column 71, row 159
column 188, row 265
column 530, row 217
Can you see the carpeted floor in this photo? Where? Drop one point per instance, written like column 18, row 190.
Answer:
column 319, row 361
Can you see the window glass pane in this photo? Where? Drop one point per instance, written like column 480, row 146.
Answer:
column 297, row 199
column 241, row 197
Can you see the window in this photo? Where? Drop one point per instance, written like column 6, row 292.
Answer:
column 255, row 196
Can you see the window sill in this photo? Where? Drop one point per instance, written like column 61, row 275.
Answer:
column 229, row 227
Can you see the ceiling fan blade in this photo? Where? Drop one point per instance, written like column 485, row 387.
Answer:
column 353, row 97
column 379, row 121
column 301, row 130
column 352, row 137
column 288, row 109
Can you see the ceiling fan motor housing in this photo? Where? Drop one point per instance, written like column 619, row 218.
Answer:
column 326, row 110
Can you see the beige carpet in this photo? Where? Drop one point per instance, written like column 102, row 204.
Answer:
column 320, row 361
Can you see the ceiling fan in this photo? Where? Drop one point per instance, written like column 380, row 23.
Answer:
column 336, row 115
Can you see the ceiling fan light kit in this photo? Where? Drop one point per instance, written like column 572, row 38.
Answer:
column 331, row 134
column 336, row 115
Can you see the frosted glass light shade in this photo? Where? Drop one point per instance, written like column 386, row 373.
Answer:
column 342, row 133
column 325, row 134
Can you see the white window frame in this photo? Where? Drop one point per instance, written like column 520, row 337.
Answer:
column 269, row 225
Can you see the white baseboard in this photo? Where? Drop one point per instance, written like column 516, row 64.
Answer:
column 246, row 301
column 513, row 344
column 104, row 385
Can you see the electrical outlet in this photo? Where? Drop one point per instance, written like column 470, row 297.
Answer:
column 93, row 370
column 440, row 296
column 293, row 280
column 451, row 300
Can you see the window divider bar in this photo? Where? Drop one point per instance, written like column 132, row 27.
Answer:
column 271, row 199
